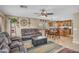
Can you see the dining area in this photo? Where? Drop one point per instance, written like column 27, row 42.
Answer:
column 53, row 34
column 58, row 29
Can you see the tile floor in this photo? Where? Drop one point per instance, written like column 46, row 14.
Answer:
column 66, row 42
column 50, row 47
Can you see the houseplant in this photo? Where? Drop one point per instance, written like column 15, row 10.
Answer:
column 13, row 20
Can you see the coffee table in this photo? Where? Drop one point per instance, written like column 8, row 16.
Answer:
column 40, row 40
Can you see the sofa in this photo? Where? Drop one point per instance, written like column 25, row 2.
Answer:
column 27, row 34
column 11, row 44
column 4, row 44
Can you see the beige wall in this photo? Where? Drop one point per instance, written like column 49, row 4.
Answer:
column 3, row 18
column 76, row 28
column 34, row 23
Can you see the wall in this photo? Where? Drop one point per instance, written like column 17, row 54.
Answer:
column 34, row 23
column 3, row 18
column 76, row 28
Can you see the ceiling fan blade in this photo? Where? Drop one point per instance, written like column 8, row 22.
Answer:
column 36, row 13
column 50, row 13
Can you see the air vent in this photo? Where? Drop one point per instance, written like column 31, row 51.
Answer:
column 23, row 6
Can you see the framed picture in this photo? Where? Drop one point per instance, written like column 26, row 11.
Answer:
column 23, row 22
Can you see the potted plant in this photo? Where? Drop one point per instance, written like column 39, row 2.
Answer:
column 13, row 20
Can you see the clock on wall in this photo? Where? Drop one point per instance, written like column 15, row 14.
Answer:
column 23, row 22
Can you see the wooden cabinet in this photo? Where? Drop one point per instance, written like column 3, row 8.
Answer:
column 65, row 26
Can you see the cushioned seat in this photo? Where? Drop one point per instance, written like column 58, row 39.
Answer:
column 4, row 48
column 7, row 45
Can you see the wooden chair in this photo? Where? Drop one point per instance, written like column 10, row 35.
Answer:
column 57, row 34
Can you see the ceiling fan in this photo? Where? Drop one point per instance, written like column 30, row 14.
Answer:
column 44, row 13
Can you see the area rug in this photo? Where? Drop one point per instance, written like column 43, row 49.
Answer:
column 67, row 50
column 46, row 48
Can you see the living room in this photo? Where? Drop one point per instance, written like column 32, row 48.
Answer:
column 40, row 28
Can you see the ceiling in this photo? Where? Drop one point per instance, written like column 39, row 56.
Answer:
column 58, row 10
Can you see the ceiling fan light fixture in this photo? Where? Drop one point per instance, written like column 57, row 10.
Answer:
column 44, row 13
